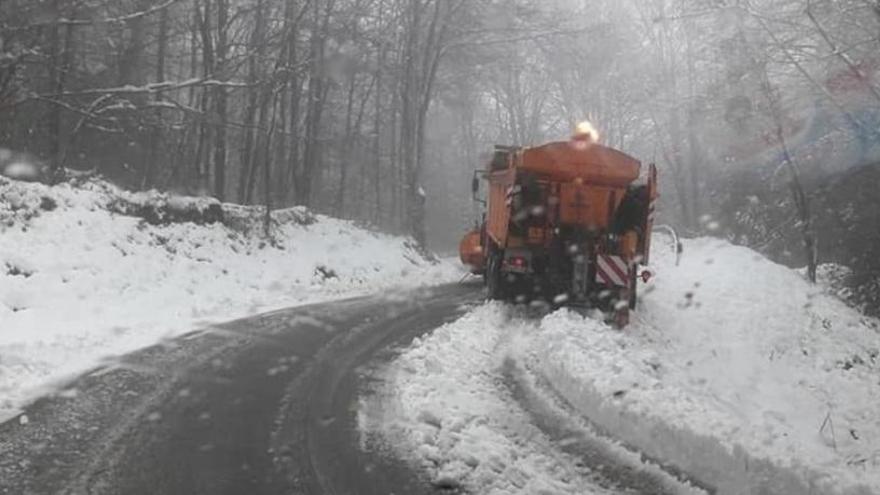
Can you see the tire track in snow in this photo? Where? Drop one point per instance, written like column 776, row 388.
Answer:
column 624, row 469
column 455, row 405
column 218, row 412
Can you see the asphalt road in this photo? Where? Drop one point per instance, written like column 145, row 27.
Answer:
column 262, row 405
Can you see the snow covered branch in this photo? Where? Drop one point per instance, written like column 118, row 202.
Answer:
column 836, row 51
column 153, row 87
column 108, row 20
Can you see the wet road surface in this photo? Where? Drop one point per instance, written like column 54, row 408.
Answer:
column 262, row 405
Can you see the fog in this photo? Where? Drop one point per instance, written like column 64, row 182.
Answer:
column 244, row 246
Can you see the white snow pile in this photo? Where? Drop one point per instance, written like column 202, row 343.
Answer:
column 79, row 282
column 444, row 406
column 735, row 370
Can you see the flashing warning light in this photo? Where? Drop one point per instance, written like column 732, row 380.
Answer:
column 585, row 131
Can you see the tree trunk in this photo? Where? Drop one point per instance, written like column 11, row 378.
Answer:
column 203, row 156
column 149, row 178
column 248, row 161
column 267, row 173
column 220, row 101
column 56, row 85
column 256, row 159
column 344, row 164
column 294, row 85
column 377, row 137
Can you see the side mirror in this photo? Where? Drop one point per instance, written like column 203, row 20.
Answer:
column 475, row 185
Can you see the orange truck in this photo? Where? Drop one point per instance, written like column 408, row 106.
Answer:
column 567, row 222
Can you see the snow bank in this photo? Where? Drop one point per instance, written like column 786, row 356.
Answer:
column 445, row 407
column 736, row 370
column 80, row 281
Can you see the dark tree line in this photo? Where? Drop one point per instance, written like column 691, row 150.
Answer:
column 321, row 103
column 369, row 109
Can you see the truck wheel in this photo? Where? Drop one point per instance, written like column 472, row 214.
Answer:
column 494, row 284
column 621, row 318
column 633, row 288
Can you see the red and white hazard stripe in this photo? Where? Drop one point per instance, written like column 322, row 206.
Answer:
column 651, row 210
column 612, row 270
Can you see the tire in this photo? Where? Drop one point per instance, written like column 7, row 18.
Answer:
column 621, row 318
column 633, row 289
column 494, row 282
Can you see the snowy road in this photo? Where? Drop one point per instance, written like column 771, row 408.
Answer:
column 260, row 405
column 465, row 395
column 267, row 404
column 472, row 411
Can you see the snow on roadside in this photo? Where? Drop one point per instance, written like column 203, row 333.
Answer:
column 736, row 370
column 444, row 407
column 79, row 283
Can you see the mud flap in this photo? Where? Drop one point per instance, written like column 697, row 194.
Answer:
column 621, row 317
column 625, row 301
column 580, row 281
column 619, row 277
column 494, row 280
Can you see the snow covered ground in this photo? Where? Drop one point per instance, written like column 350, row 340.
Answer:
column 451, row 405
column 735, row 370
column 79, row 283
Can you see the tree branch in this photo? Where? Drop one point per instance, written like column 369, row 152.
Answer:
column 153, row 88
column 800, row 68
column 840, row 53
column 109, row 20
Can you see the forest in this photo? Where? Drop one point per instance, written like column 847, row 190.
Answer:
column 762, row 115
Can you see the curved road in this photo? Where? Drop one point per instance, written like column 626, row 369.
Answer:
column 262, row 405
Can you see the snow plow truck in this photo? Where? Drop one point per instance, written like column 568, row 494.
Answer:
column 567, row 222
